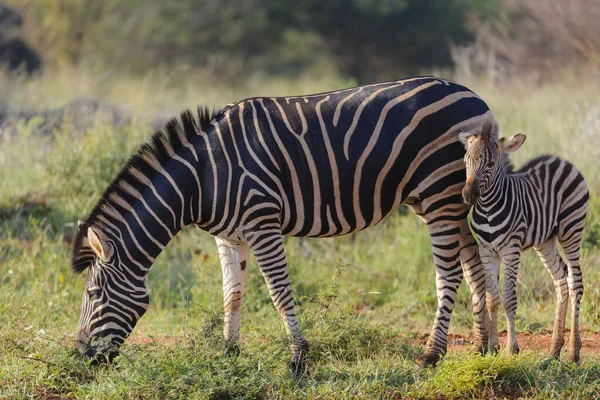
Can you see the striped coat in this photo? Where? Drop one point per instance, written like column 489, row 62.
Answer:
column 317, row 165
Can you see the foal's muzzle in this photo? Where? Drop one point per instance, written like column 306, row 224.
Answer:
column 470, row 192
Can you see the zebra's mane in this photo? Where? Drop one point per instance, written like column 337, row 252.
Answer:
column 155, row 150
column 535, row 161
column 505, row 164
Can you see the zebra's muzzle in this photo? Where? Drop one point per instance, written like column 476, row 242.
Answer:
column 99, row 354
column 470, row 192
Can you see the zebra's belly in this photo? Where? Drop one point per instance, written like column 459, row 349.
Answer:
column 337, row 223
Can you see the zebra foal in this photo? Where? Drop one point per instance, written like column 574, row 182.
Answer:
column 545, row 201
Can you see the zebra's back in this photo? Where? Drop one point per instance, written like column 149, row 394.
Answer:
column 341, row 161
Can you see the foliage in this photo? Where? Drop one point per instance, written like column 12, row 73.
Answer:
column 362, row 39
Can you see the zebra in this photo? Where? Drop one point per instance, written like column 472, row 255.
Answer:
column 545, row 201
column 317, row 165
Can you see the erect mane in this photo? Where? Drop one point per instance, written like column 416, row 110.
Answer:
column 505, row 163
column 489, row 130
column 535, row 161
column 173, row 134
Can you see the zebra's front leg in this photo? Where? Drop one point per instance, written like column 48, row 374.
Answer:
column 270, row 256
column 449, row 275
column 509, row 299
column 491, row 262
column 234, row 262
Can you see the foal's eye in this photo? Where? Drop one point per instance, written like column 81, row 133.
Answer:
column 95, row 293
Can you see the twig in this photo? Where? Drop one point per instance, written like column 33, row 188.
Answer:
column 40, row 360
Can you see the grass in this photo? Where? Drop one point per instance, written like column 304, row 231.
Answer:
column 364, row 299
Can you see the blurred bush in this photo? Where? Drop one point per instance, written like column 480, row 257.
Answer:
column 534, row 38
column 14, row 52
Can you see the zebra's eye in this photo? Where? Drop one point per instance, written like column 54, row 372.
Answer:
column 95, row 293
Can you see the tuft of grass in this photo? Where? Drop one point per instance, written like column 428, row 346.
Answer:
column 467, row 376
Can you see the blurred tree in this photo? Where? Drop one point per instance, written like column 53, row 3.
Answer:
column 364, row 39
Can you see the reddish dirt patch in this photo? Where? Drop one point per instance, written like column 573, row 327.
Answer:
column 48, row 394
column 538, row 342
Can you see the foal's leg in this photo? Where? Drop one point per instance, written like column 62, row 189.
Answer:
column 558, row 269
column 234, row 262
column 475, row 276
column 572, row 249
column 511, row 261
column 491, row 261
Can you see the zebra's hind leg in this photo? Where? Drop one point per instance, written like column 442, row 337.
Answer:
column 549, row 255
column 571, row 246
column 491, row 262
column 270, row 256
column 449, row 252
column 234, row 261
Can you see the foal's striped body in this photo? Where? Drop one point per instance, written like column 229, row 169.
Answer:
column 545, row 201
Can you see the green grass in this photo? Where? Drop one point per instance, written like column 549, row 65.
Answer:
column 360, row 315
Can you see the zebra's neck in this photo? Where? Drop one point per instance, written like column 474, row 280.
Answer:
column 159, row 192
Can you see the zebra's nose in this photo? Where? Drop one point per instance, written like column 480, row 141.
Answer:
column 471, row 190
column 83, row 342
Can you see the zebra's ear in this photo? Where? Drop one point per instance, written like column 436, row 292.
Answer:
column 79, row 225
column 465, row 137
column 98, row 246
column 511, row 144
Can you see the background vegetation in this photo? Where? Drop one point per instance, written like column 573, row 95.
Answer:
column 112, row 71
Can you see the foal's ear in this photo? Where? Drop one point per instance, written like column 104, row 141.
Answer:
column 512, row 143
column 466, row 137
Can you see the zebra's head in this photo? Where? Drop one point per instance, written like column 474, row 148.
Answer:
column 113, row 298
column 484, row 158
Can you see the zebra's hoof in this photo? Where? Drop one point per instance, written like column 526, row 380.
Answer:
column 513, row 350
column 495, row 348
column 574, row 358
column 555, row 353
column 481, row 348
column 297, row 367
column 428, row 359
column 233, row 350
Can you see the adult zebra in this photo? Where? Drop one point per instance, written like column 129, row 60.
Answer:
column 320, row 165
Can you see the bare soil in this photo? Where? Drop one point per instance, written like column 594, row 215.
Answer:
column 538, row 342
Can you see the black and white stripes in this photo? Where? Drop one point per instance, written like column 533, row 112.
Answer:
column 544, row 201
column 319, row 165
